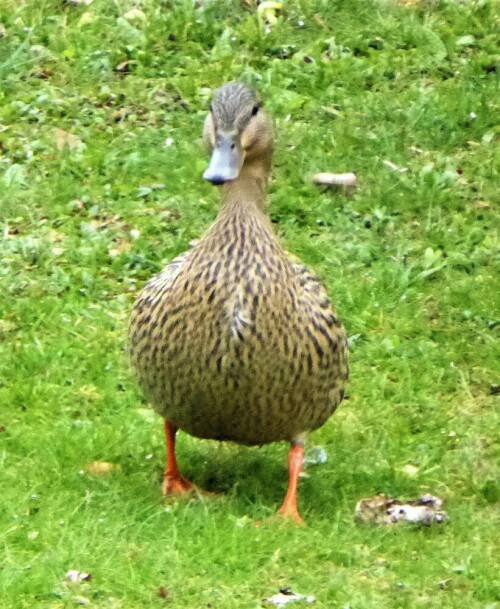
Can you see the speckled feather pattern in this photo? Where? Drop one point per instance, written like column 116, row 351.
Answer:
column 232, row 341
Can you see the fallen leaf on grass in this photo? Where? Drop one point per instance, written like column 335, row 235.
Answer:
column 120, row 246
column 64, row 139
column 76, row 205
column 286, row 596
column 120, row 114
column 147, row 414
column 135, row 14
column 123, row 67
column 466, row 41
column 162, row 592
column 74, row 576
column 85, row 19
column 335, row 179
column 101, row 468
column 480, row 204
column 410, row 469
column 6, row 327
column 267, row 13
column 90, row 393
column 243, row 521
column 393, row 167
column 445, row 583
column 380, row 509
column 15, row 175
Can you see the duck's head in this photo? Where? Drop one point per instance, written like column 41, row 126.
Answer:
column 238, row 132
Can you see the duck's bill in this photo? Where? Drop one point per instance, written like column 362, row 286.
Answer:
column 226, row 162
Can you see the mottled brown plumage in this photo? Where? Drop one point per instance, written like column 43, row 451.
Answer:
column 232, row 341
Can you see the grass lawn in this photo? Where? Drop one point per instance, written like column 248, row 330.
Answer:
column 101, row 111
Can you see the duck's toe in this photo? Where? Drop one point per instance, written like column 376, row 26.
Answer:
column 177, row 485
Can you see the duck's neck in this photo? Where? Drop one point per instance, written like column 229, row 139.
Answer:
column 243, row 218
column 249, row 188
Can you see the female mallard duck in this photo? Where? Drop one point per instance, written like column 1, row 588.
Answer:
column 232, row 341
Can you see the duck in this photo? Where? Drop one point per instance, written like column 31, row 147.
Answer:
column 232, row 340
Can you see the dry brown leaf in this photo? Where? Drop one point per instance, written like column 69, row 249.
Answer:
column 163, row 592
column 135, row 14
column 120, row 114
column 101, row 468
column 268, row 11
column 85, row 19
column 480, row 204
column 123, row 67
column 42, row 73
column 7, row 326
column 64, row 139
column 120, row 246
column 90, row 392
column 56, row 236
column 319, row 20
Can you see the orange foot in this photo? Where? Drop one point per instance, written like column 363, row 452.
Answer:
column 284, row 514
column 290, row 511
column 295, row 459
column 176, row 485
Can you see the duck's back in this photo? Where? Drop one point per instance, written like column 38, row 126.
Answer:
column 233, row 342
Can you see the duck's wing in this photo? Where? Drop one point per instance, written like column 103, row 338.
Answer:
column 313, row 292
column 325, row 333
column 151, row 297
column 164, row 281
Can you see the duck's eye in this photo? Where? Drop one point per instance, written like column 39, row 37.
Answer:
column 255, row 109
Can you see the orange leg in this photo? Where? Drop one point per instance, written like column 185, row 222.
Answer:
column 295, row 459
column 173, row 482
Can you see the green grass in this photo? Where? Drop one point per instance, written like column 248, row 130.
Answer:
column 410, row 259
